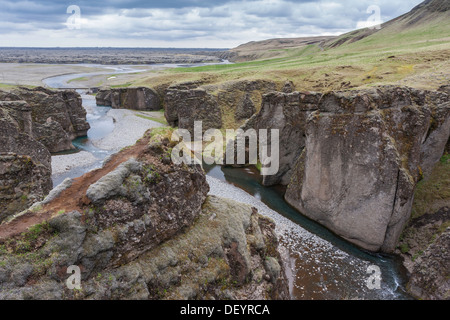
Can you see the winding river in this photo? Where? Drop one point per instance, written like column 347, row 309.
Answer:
column 319, row 264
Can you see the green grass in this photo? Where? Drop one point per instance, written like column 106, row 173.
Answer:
column 35, row 231
column 13, row 86
column 80, row 79
column 424, row 48
column 122, row 85
column 161, row 132
column 161, row 120
column 398, row 54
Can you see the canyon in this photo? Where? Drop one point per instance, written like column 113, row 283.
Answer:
column 364, row 123
column 391, row 136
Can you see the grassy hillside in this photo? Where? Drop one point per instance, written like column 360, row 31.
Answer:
column 411, row 50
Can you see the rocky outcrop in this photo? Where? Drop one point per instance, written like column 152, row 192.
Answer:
column 25, row 164
column 288, row 87
column 351, row 159
column 424, row 244
column 16, row 132
column 430, row 276
column 363, row 157
column 185, row 106
column 224, row 105
column 33, row 123
column 142, row 98
column 286, row 113
column 245, row 109
column 425, row 248
column 54, row 118
column 142, row 229
column 23, row 182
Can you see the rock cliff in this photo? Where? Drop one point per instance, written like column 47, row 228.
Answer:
column 33, row 123
column 425, row 247
column 424, row 244
column 225, row 105
column 351, row 159
column 144, row 99
column 54, row 118
column 141, row 228
column 184, row 107
column 25, row 163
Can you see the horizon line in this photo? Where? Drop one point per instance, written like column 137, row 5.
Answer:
column 80, row 47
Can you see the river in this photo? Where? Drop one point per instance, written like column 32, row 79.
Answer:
column 319, row 264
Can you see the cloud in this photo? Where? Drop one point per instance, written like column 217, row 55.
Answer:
column 183, row 23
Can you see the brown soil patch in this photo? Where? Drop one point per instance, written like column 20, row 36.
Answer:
column 73, row 198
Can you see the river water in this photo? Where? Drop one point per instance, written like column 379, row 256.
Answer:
column 319, row 264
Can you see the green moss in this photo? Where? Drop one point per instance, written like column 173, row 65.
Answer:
column 80, row 79
column 151, row 176
column 433, row 192
column 160, row 133
column 35, row 231
column 443, row 227
column 445, row 159
column 417, row 255
column 404, row 248
column 36, row 208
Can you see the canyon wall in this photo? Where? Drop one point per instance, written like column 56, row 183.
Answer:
column 55, row 118
column 143, row 99
column 225, row 105
column 139, row 228
column 33, row 123
column 351, row 159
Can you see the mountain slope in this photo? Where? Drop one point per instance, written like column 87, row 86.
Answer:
column 411, row 50
column 430, row 20
column 271, row 48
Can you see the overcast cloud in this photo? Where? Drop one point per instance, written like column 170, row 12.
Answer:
column 182, row 23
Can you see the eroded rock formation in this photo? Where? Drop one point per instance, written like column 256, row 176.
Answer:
column 184, row 107
column 425, row 248
column 226, row 104
column 139, row 228
column 33, row 123
column 23, row 181
column 25, row 164
column 53, row 118
column 351, row 159
column 142, row 98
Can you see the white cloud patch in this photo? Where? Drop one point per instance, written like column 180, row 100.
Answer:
column 187, row 23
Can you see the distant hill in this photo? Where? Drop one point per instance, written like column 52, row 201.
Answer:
column 429, row 21
column 271, row 48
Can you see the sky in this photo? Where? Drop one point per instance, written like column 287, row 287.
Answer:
column 184, row 23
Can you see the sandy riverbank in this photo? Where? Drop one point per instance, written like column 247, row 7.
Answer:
column 64, row 163
column 33, row 74
column 128, row 128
